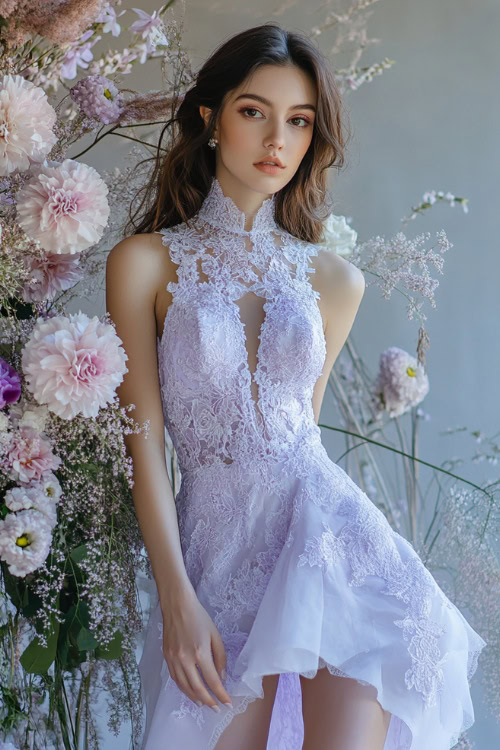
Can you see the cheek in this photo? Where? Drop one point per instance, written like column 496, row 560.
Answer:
column 236, row 135
column 301, row 145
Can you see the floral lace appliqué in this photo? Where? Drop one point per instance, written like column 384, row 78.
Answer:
column 367, row 541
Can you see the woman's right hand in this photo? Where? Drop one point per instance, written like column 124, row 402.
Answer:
column 190, row 637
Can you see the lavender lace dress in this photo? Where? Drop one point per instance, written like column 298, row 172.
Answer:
column 292, row 560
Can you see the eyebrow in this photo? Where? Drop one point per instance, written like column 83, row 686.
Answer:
column 269, row 104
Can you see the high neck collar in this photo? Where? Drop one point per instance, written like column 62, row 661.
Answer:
column 221, row 211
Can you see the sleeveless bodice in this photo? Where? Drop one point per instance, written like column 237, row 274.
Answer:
column 243, row 343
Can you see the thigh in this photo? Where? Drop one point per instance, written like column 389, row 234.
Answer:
column 341, row 714
column 249, row 730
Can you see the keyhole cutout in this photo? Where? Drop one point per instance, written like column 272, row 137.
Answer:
column 252, row 315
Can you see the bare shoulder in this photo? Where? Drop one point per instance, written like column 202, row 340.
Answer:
column 341, row 286
column 140, row 257
column 337, row 276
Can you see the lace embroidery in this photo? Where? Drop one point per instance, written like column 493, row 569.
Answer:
column 367, row 541
column 323, row 550
column 227, row 439
column 227, row 422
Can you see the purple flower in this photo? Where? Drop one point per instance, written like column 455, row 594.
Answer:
column 10, row 384
column 78, row 55
column 98, row 98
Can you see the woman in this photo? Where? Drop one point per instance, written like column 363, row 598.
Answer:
column 286, row 602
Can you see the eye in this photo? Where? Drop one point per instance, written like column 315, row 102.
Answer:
column 253, row 109
column 250, row 109
column 303, row 119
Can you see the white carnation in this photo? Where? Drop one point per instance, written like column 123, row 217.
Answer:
column 27, row 498
column 50, row 487
column 338, row 236
column 25, row 540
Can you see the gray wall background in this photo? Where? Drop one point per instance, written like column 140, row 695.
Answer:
column 430, row 122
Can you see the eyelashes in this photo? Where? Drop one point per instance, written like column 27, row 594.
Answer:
column 298, row 117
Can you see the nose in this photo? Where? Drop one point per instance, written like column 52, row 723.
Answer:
column 275, row 138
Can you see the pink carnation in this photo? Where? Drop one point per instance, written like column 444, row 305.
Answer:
column 30, row 457
column 64, row 206
column 73, row 364
column 27, row 119
column 51, row 274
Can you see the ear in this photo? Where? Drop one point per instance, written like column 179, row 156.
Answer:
column 205, row 113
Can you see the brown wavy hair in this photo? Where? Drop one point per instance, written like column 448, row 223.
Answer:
column 181, row 179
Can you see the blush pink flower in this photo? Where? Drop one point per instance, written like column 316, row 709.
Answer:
column 401, row 382
column 64, row 206
column 73, row 364
column 30, row 456
column 32, row 497
column 26, row 124
column 51, row 274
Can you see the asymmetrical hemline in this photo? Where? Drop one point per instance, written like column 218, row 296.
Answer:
column 295, row 564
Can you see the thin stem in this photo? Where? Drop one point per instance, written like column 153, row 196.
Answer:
column 414, row 458
column 79, row 713
column 63, row 714
column 343, row 398
column 113, row 131
column 409, row 493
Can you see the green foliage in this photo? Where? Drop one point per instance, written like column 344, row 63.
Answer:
column 36, row 658
column 114, row 650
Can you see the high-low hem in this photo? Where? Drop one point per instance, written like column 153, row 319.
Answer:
column 289, row 557
column 344, row 591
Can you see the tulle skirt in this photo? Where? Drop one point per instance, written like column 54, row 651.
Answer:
column 299, row 570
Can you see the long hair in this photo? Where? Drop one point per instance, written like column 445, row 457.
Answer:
column 181, row 179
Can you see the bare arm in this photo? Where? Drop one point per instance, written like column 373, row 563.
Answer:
column 341, row 287
column 190, row 637
column 132, row 273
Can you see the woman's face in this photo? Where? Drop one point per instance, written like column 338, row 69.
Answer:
column 270, row 114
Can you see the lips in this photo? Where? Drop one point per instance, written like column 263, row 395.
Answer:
column 276, row 162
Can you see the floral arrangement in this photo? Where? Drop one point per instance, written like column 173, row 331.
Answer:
column 71, row 550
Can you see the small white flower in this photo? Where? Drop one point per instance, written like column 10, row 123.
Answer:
column 50, row 487
column 33, row 416
column 157, row 38
column 25, row 540
column 32, row 498
column 338, row 236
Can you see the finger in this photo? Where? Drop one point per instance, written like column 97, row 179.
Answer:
column 184, row 684
column 198, row 688
column 219, row 655
column 212, row 679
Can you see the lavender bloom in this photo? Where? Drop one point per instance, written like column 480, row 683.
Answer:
column 10, row 384
column 401, row 382
column 98, row 98
column 78, row 55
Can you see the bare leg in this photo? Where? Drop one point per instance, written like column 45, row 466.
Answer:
column 341, row 714
column 249, row 730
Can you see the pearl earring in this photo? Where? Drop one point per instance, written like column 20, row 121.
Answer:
column 212, row 142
